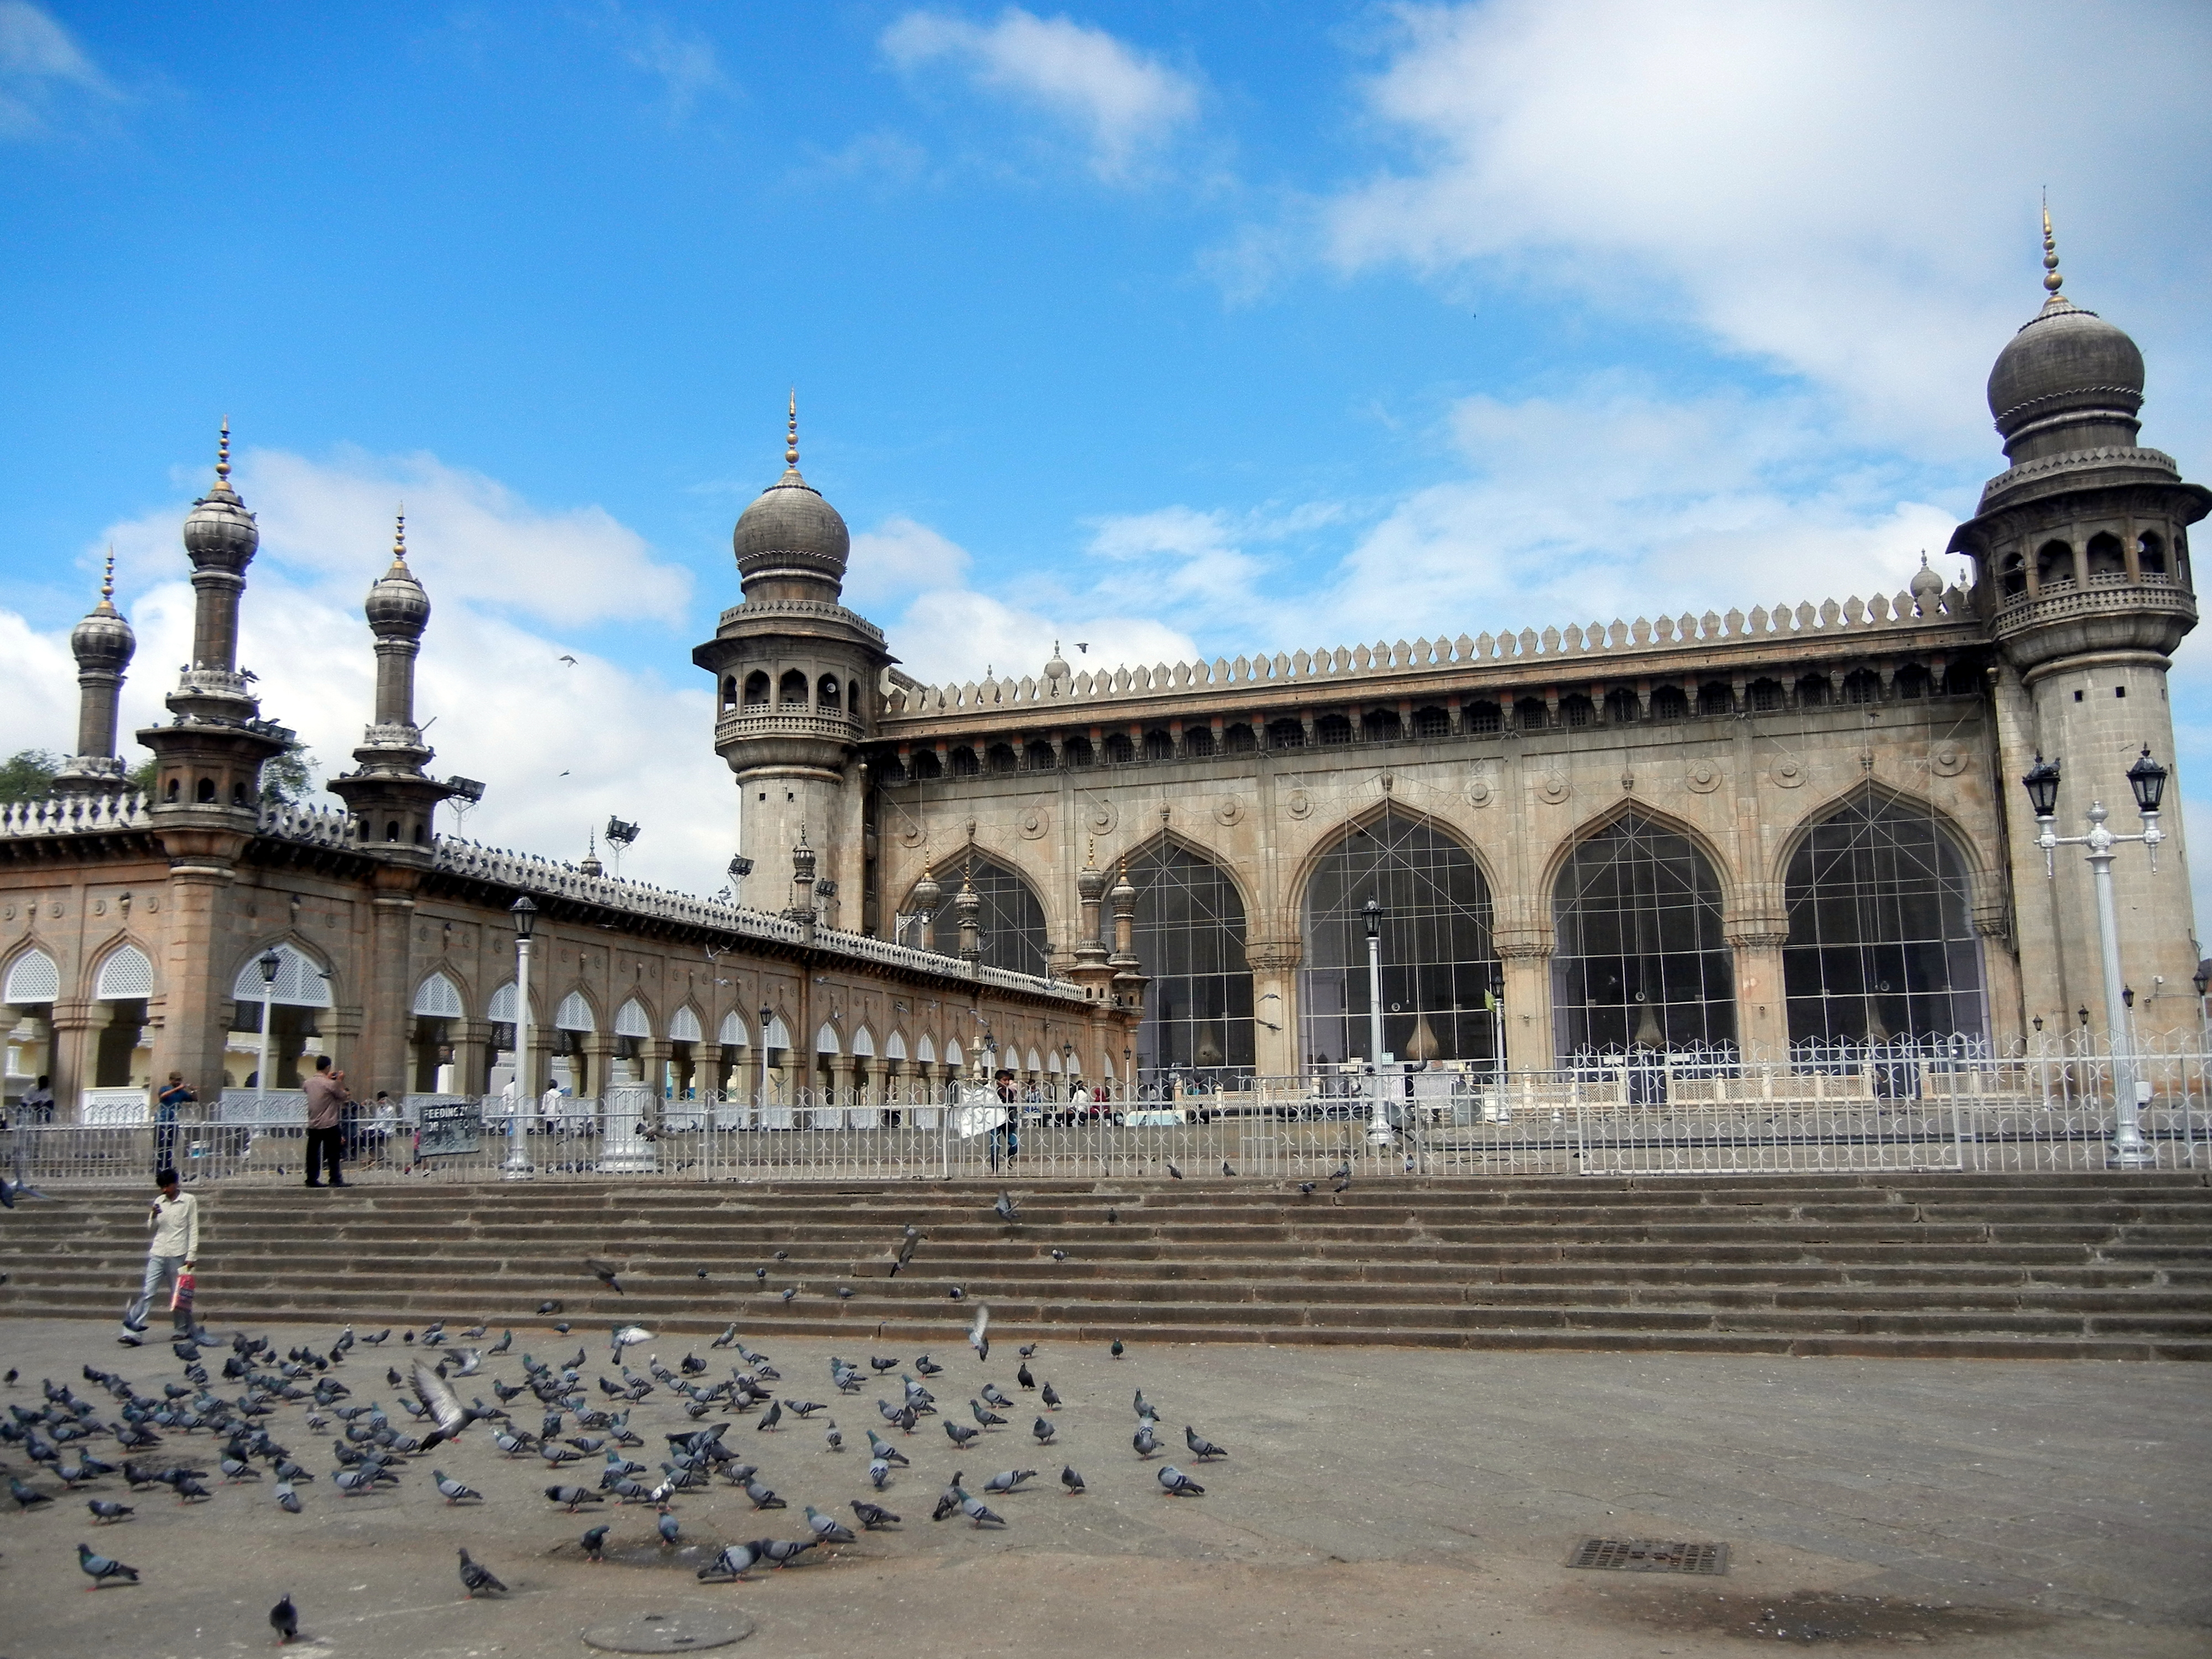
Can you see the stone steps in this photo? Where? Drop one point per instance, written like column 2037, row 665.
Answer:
column 2112, row 1265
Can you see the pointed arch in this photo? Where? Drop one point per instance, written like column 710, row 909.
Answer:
column 953, row 1057
column 925, row 1050
column 302, row 980
column 1628, row 806
column 1640, row 958
column 503, row 1009
column 438, row 997
column 894, row 1046
column 1015, row 924
column 632, row 1019
column 732, row 1033
column 864, row 1044
column 33, row 976
column 826, row 1039
column 1438, row 963
column 1978, row 865
column 684, row 1026
column 777, row 1034
column 575, row 1012
column 1189, row 937
column 1367, row 817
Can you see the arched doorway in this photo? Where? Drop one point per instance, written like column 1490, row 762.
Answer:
column 1439, row 970
column 1189, row 939
column 295, row 1001
column 1639, row 959
column 1010, row 916
column 1881, row 935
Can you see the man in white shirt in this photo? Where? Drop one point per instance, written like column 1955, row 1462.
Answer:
column 174, row 1217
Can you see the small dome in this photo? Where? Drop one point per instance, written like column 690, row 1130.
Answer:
column 103, row 639
column 790, row 534
column 397, row 605
column 219, row 530
column 1057, row 669
column 2067, row 359
column 1926, row 585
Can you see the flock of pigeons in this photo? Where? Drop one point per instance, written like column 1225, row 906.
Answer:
column 583, row 1436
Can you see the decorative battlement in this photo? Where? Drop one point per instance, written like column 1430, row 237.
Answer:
column 1612, row 641
column 75, row 815
column 753, row 610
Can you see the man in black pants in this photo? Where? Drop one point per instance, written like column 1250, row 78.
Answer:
column 326, row 1103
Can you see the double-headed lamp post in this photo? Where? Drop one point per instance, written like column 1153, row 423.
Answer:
column 2147, row 780
column 269, row 962
column 1378, row 1125
column 517, row 1167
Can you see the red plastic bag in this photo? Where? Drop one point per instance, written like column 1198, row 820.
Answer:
column 180, row 1299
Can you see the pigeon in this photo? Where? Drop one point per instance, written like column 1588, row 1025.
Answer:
column 475, row 1577
column 1225, row 1169
column 832, row 1438
column 557, row 1455
column 671, row 1534
column 782, row 1551
column 879, row 1364
column 1143, row 1440
column 790, row 1290
column 594, row 1543
column 1172, row 1170
column 726, row 1338
column 506, row 1341
column 1201, row 1447
column 1112, row 1214
column 979, row 1334
column 284, row 1620
column 1004, row 1209
column 1023, row 1378
column 960, row 1433
column 453, row 1491
column 627, row 1336
column 1051, row 1399
column 927, row 1366
column 570, row 1497
column 1044, row 1429
column 442, row 1404
column 1306, row 1188
column 974, row 1510
column 380, row 1336
column 770, row 1418
column 1071, row 1480
column 287, row 1499
column 1342, row 1178
column 604, row 1272
column 957, row 1293
column 1177, row 1484
column 26, row 1496
column 844, row 1292
column 1059, row 1254
column 1145, row 1407
column 763, row 1497
column 104, row 1509
column 883, row 1448
column 1008, row 1481
column 873, row 1517
column 101, row 1568
column 1117, row 1350
column 828, row 1528
column 731, row 1563
column 906, row 1249
column 1028, row 1349
column 985, row 1418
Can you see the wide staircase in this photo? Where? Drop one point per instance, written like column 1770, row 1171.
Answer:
column 2108, row 1266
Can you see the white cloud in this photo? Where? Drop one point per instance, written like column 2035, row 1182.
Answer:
column 39, row 64
column 1845, row 191
column 898, row 559
column 1127, row 105
column 683, row 60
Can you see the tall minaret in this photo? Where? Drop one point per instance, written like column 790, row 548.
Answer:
column 102, row 644
column 796, row 675
column 2082, row 548
column 208, row 760
column 392, row 799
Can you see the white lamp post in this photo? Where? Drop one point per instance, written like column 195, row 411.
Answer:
column 1378, row 1125
column 2147, row 778
column 269, row 962
column 517, row 1167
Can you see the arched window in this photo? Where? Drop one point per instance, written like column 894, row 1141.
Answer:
column 438, row 998
column 1483, row 718
column 1639, row 958
column 1119, row 751
column 1189, row 937
column 1158, row 746
column 756, row 686
column 1332, row 728
column 830, row 693
column 1530, row 714
column 1963, row 679
column 1076, row 751
column 1039, row 755
column 1862, row 685
column 964, row 762
column 793, row 688
column 2150, row 553
column 1576, row 710
column 1716, row 700
column 1812, row 691
column 1285, row 734
column 2012, row 575
column 891, row 769
column 206, row 791
column 34, row 977
column 729, row 692
column 1764, row 696
column 2106, row 557
column 2054, row 565
column 1012, row 916
column 1668, row 703
column 927, row 765
column 1380, row 726
column 1001, row 757
column 1439, row 970
column 1238, row 740
column 1198, row 741
column 1912, row 682
column 1431, row 722
column 1881, row 935
column 300, row 981
column 1620, row 707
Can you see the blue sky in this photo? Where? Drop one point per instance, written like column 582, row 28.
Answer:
column 1170, row 329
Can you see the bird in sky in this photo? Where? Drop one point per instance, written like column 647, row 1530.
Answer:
column 570, row 660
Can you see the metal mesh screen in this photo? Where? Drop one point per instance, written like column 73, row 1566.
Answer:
column 1011, row 917
column 1189, row 937
column 1640, row 960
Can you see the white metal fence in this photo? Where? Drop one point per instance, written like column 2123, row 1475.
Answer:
column 1886, row 1108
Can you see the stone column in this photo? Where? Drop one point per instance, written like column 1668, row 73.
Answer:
column 1274, row 965
column 1526, row 1020
column 201, row 870
column 471, row 1055
column 652, row 1061
column 706, row 1063
column 1762, row 1013
column 598, row 1065
column 73, row 1053
column 387, row 986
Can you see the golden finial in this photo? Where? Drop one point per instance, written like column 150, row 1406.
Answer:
column 108, row 581
column 2051, row 280
column 222, row 453
column 400, row 536
column 791, row 434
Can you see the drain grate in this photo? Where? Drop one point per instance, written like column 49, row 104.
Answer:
column 1650, row 1555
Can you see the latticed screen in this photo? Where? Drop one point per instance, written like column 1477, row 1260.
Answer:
column 1189, row 937
column 1639, row 958
column 1881, row 935
column 1010, row 916
column 1439, row 968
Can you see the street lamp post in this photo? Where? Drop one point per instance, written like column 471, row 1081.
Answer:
column 760, row 1106
column 1378, row 1125
column 269, row 962
column 2147, row 778
column 518, row 1167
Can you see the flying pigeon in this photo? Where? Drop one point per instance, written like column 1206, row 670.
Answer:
column 979, row 1334
column 443, row 1405
column 604, row 1272
column 475, row 1577
column 906, row 1249
column 101, row 1568
column 284, row 1620
column 1177, row 1484
column 1201, row 1447
column 1004, row 1209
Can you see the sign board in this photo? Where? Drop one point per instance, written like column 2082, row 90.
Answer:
column 450, row 1126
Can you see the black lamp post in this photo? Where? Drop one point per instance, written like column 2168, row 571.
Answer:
column 523, row 913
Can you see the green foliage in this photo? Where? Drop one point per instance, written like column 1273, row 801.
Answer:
column 29, row 774
column 141, row 777
column 288, row 778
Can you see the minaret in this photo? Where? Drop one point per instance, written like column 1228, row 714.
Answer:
column 102, row 644
column 928, row 894
column 968, row 904
column 2082, row 553
column 796, row 675
column 208, row 760
column 1129, row 982
column 393, row 800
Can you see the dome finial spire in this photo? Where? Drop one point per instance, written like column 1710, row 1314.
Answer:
column 400, row 536
column 222, row 453
column 107, row 580
column 791, row 433
column 2052, row 281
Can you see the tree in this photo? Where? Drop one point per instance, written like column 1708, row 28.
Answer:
column 29, row 774
column 139, row 780
column 290, row 778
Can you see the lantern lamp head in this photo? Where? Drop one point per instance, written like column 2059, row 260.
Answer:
column 2042, row 786
column 2147, row 778
column 525, row 915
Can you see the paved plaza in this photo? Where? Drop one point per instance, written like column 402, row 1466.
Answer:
column 1375, row 1500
